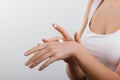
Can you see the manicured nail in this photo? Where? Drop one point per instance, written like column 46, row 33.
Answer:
column 31, row 66
column 27, row 63
column 26, row 54
column 76, row 33
column 44, row 40
column 54, row 25
column 40, row 69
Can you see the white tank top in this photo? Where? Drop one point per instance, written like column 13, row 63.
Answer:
column 105, row 48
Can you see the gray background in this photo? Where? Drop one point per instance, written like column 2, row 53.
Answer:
column 23, row 23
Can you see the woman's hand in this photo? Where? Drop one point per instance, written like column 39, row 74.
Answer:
column 65, row 35
column 52, row 50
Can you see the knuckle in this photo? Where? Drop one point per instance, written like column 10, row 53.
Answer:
column 48, row 47
column 35, row 62
column 54, row 51
column 56, row 57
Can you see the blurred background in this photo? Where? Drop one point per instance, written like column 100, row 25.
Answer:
column 23, row 23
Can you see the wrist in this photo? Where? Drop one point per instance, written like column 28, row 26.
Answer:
column 77, row 51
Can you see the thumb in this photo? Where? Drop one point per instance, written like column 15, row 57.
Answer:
column 76, row 37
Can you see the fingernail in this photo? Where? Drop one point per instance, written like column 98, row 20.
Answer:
column 25, row 54
column 31, row 66
column 54, row 25
column 27, row 63
column 76, row 32
column 44, row 39
column 40, row 69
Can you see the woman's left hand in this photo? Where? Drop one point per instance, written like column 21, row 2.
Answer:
column 53, row 51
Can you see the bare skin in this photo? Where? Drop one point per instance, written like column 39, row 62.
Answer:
column 104, row 23
column 72, row 52
column 73, row 70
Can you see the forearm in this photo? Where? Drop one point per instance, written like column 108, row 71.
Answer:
column 73, row 71
column 93, row 68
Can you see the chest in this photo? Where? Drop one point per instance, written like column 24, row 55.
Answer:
column 105, row 48
column 105, row 19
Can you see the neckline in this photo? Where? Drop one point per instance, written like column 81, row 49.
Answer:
column 103, row 34
column 90, row 18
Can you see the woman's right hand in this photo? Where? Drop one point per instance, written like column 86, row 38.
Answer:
column 65, row 37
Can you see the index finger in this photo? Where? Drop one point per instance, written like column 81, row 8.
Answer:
column 62, row 31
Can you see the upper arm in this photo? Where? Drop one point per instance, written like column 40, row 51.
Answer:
column 118, row 69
